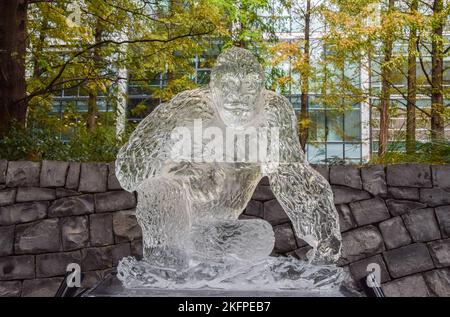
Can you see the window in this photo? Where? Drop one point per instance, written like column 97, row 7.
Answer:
column 316, row 152
column 335, row 126
column 352, row 125
column 317, row 129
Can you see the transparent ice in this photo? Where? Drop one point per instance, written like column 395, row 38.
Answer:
column 188, row 208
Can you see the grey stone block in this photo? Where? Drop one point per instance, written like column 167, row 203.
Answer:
column 38, row 237
column 136, row 248
column 7, row 197
column 53, row 173
column 346, row 175
column 43, row 287
column 16, row 267
column 369, row 211
column 301, row 253
column 96, row 258
column 410, row 286
column 274, row 213
column 408, row 260
column 101, row 229
column 255, row 208
column 394, row 233
column 440, row 252
column 71, row 206
column 443, row 216
column 359, row 271
column 438, row 282
column 10, row 289
column 323, row 170
column 434, row 197
column 441, row 175
column 27, row 194
column 119, row 251
column 114, row 201
column 264, row 181
column 345, row 195
column 409, row 175
column 374, row 179
column 360, row 243
column 247, row 217
column 125, row 226
column 6, row 240
column 113, row 182
column 23, row 173
column 3, row 168
column 404, row 193
column 300, row 242
column 55, row 264
column 21, row 213
column 75, row 232
column 93, row 277
column 263, row 193
column 400, row 207
column 63, row 192
column 93, row 178
column 422, row 225
column 73, row 176
column 346, row 221
column 284, row 239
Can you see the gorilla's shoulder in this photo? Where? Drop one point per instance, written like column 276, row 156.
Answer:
column 277, row 104
column 190, row 102
column 275, row 100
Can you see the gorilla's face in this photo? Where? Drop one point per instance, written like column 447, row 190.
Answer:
column 237, row 96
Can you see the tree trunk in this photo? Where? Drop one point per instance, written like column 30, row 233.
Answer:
column 437, row 71
column 304, row 100
column 13, row 107
column 412, row 86
column 385, row 91
column 91, row 121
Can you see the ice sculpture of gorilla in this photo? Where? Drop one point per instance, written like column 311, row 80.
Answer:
column 189, row 203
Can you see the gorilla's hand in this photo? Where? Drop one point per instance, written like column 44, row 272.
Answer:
column 328, row 251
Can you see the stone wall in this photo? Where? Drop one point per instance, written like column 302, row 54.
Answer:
column 55, row 213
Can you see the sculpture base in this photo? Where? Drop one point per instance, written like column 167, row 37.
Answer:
column 111, row 286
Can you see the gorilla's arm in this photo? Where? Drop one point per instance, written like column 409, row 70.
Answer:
column 303, row 193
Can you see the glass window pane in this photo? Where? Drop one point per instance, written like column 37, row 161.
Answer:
column 56, row 106
column 335, row 150
column 352, row 123
column 82, row 106
column 352, row 151
column 317, row 127
column 101, row 105
column 316, row 152
column 335, row 126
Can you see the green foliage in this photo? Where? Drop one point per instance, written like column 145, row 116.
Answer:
column 428, row 152
column 66, row 139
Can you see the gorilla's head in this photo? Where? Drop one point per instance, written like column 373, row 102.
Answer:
column 237, row 81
